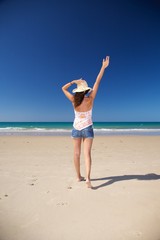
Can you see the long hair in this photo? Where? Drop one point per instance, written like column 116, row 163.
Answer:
column 78, row 98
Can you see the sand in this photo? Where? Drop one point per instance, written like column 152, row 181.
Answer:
column 40, row 198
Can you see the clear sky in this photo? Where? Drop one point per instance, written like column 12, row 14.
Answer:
column 47, row 43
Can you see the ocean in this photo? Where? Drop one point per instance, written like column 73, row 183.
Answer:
column 64, row 128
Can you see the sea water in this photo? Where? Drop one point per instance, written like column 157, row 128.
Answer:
column 65, row 128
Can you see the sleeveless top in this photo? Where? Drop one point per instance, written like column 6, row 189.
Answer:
column 82, row 119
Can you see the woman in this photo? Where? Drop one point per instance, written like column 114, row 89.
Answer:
column 82, row 126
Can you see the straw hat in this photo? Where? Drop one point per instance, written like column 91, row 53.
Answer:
column 82, row 87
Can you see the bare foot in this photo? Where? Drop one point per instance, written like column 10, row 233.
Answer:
column 80, row 179
column 89, row 185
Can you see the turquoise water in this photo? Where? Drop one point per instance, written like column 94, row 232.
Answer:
column 64, row 128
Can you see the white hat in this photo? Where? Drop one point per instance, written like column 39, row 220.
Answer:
column 82, row 87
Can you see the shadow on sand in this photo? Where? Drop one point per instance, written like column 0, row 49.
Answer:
column 113, row 179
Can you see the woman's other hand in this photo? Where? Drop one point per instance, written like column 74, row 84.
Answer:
column 105, row 62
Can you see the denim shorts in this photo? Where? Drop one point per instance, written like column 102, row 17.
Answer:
column 84, row 133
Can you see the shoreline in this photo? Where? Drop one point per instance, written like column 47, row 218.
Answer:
column 99, row 133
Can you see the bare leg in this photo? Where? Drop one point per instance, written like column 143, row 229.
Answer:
column 77, row 153
column 87, row 154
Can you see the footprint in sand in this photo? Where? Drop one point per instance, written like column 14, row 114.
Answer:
column 62, row 204
column 33, row 182
column 6, row 195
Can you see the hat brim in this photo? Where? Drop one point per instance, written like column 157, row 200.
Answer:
column 80, row 90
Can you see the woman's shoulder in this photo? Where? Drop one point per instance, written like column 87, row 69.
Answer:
column 88, row 98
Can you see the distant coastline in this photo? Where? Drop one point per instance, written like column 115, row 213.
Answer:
column 64, row 128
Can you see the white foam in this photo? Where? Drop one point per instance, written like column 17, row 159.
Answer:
column 126, row 130
column 61, row 131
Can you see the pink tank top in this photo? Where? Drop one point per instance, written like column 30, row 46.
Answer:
column 82, row 119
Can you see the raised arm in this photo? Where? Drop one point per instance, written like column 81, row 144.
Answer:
column 65, row 89
column 105, row 64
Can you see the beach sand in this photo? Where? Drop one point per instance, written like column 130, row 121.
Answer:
column 40, row 198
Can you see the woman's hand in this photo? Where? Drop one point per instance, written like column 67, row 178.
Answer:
column 105, row 62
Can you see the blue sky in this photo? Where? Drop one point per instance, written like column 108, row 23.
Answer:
column 45, row 44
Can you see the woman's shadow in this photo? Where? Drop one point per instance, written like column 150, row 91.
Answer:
column 113, row 179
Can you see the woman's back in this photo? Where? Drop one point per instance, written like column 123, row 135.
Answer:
column 85, row 106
